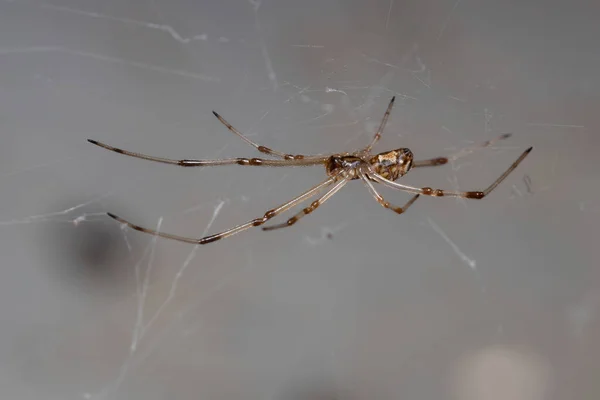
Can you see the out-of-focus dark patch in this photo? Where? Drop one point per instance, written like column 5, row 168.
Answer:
column 310, row 389
column 86, row 248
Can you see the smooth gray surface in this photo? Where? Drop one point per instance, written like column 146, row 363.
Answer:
column 486, row 300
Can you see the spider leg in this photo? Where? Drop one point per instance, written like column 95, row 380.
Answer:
column 377, row 135
column 229, row 161
column 258, row 147
column 313, row 206
column 433, row 162
column 239, row 228
column 381, row 200
column 441, row 192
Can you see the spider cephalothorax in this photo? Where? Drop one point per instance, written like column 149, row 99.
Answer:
column 383, row 168
column 347, row 163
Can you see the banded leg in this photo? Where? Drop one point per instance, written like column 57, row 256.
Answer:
column 227, row 161
column 381, row 200
column 433, row 162
column 313, row 206
column 381, row 126
column 258, row 147
column 237, row 229
column 440, row 192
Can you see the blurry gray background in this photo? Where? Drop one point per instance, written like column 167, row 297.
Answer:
column 486, row 300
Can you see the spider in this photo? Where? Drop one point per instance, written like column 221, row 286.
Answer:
column 383, row 168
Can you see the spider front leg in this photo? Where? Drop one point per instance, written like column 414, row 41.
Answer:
column 377, row 135
column 255, row 162
column 305, row 211
column 441, row 192
column 381, row 200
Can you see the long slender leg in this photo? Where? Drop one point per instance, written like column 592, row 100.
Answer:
column 440, row 192
column 377, row 135
column 433, row 162
column 258, row 147
column 237, row 229
column 313, row 206
column 230, row 161
column 381, row 200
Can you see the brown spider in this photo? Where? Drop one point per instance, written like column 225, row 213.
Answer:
column 383, row 168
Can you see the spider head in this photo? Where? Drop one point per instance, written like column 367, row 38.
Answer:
column 392, row 164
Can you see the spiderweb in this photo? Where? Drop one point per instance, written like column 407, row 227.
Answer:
column 353, row 302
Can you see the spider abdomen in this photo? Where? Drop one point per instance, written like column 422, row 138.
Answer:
column 392, row 164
